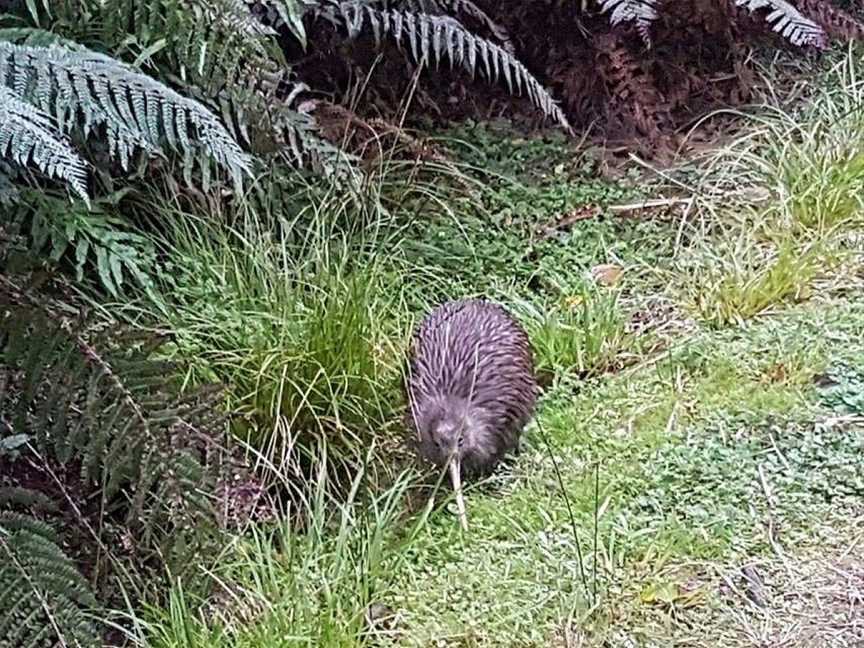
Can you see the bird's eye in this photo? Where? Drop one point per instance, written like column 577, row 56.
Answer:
column 461, row 441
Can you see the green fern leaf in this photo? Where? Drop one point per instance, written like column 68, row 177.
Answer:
column 455, row 8
column 137, row 112
column 789, row 22
column 11, row 522
column 426, row 34
column 290, row 13
column 108, row 409
column 12, row 496
column 641, row 12
column 44, row 600
column 28, row 136
column 9, row 193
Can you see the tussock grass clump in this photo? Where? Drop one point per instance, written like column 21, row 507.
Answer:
column 806, row 164
column 813, row 160
column 778, row 203
column 292, row 334
column 584, row 334
column 741, row 280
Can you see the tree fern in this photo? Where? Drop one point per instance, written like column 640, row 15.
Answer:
column 788, row 21
column 89, row 90
column 91, row 237
column 457, row 8
column 9, row 192
column 28, row 136
column 284, row 13
column 640, row 12
column 205, row 42
column 228, row 59
column 432, row 39
column 782, row 16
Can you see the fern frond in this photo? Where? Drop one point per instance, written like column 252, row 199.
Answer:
column 103, row 404
column 91, row 89
column 305, row 146
column 88, row 235
column 11, row 522
column 205, row 42
column 233, row 66
column 641, row 12
column 44, row 600
column 788, row 21
column 9, row 192
column 456, row 8
column 28, row 136
column 13, row 496
column 288, row 14
column 433, row 39
column 836, row 22
column 235, row 15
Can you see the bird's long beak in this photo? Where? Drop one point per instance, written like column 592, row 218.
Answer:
column 455, row 477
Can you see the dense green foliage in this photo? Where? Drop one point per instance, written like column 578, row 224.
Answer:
column 45, row 599
column 95, row 413
column 208, row 274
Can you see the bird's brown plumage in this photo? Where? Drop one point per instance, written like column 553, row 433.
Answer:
column 471, row 386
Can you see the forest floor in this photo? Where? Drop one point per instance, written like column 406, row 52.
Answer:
column 730, row 506
column 703, row 363
column 706, row 411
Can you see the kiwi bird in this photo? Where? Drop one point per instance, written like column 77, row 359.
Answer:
column 471, row 387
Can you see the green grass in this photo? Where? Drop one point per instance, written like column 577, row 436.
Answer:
column 740, row 282
column 688, row 410
column 281, row 588
column 583, row 335
column 804, row 168
column 295, row 337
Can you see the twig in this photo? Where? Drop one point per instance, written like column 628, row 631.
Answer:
column 680, row 233
column 771, row 527
column 755, row 586
column 649, row 204
column 732, row 588
column 852, row 546
column 571, row 218
column 596, row 524
column 780, row 454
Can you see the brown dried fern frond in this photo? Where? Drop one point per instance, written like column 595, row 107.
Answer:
column 633, row 97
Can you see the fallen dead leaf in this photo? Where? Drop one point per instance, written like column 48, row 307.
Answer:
column 607, row 274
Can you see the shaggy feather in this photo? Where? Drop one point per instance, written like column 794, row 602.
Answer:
column 471, row 386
